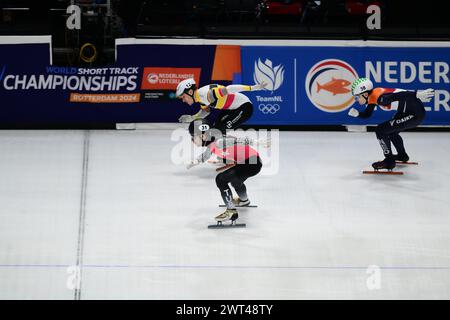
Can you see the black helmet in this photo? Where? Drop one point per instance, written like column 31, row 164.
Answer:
column 198, row 127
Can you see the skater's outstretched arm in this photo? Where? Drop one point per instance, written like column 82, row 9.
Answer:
column 266, row 143
column 204, row 156
column 422, row 95
column 239, row 87
column 220, row 144
column 387, row 98
column 203, row 113
column 200, row 159
column 219, row 92
column 367, row 112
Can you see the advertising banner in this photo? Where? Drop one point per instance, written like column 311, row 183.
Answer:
column 139, row 87
column 165, row 65
column 311, row 85
column 307, row 84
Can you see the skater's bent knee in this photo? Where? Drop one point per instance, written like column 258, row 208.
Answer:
column 218, row 179
column 236, row 183
column 221, row 181
column 379, row 132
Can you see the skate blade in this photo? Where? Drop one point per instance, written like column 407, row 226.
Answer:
column 249, row 206
column 226, row 226
column 407, row 162
column 215, row 163
column 382, row 172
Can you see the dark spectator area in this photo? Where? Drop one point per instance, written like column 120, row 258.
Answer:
column 295, row 19
column 105, row 20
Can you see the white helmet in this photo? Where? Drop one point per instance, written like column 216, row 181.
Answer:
column 361, row 85
column 184, row 86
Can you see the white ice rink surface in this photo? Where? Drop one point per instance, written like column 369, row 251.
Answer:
column 114, row 204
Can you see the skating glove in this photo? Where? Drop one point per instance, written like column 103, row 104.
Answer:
column 260, row 86
column 185, row 118
column 425, row 95
column 193, row 163
column 353, row 112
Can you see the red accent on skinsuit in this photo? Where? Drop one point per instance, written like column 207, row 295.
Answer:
column 236, row 153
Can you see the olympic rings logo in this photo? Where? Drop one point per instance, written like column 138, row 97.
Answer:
column 269, row 108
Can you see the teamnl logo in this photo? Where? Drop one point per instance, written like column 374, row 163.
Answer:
column 273, row 76
column 328, row 84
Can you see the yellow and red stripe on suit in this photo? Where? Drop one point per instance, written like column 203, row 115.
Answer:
column 220, row 97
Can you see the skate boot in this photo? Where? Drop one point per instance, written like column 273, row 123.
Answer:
column 387, row 163
column 401, row 157
column 240, row 203
column 229, row 214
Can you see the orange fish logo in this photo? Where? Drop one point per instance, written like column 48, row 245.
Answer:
column 330, row 95
column 335, row 86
